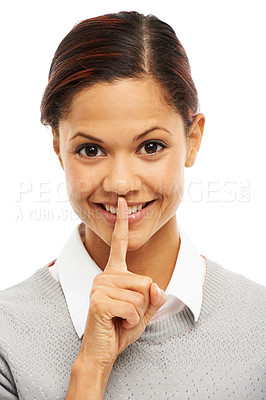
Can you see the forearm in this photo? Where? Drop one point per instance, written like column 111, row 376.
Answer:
column 87, row 382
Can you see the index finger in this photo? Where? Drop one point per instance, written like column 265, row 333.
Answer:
column 119, row 242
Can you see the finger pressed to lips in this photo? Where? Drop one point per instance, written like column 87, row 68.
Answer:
column 119, row 242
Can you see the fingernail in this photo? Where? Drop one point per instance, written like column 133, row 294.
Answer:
column 159, row 291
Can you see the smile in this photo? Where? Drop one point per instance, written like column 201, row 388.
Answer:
column 135, row 213
column 131, row 209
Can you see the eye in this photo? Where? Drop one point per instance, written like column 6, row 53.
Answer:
column 88, row 150
column 151, row 147
column 92, row 150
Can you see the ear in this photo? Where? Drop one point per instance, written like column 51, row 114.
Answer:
column 56, row 146
column 194, row 139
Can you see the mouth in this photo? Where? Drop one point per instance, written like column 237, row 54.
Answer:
column 134, row 214
column 131, row 209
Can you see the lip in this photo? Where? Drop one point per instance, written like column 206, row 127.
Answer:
column 129, row 204
column 132, row 218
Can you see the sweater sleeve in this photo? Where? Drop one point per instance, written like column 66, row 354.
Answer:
column 7, row 385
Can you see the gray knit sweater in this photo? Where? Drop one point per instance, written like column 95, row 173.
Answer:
column 221, row 356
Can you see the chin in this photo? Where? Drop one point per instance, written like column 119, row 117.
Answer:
column 134, row 246
column 136, row 241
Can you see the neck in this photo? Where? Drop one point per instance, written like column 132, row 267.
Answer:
column 156, row 258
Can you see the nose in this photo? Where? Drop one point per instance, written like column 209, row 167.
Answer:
column 121, row 177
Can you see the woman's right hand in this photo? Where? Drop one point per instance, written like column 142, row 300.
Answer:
column 121, row 303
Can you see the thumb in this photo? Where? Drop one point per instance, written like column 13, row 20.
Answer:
column 157, row 300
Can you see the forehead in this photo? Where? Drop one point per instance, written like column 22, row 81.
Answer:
column 128, row 104
column 133, row 96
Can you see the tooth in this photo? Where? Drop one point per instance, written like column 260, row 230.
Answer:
column 132, row 209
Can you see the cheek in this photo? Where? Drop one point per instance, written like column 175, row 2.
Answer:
column 169, row 180
column 79, row 182
column 176, row 182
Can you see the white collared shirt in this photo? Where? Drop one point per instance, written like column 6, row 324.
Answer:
column 76, row 270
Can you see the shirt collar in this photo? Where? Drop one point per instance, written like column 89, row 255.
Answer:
column 77, row 270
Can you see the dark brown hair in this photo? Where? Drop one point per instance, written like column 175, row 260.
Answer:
column 116, row 46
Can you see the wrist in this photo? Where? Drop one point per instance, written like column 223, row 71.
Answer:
column 87, row 380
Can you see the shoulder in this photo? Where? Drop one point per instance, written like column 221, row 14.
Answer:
column 238, row 294
column 31, row 307
column 20, row 289
column 235, row 280
column 15, row 302
column 16, row 299
column 24, row 297
column 238, row 309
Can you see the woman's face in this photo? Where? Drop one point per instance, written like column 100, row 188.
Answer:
column 116, row 162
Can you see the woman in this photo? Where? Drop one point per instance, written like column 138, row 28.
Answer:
column 129, row 309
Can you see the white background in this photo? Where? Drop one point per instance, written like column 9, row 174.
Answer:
column 223, row 209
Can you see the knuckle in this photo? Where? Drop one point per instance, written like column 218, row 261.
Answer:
column 139, row 300
column 98, row 279
column 96, row 287
column 92, row 291
column 130, row 309
column 101, row 279
column 98, row 306
column 94, row 303
column 99, row 290
column 147, row 281
column 97, row 298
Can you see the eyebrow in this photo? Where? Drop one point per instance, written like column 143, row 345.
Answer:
column 141, row 135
